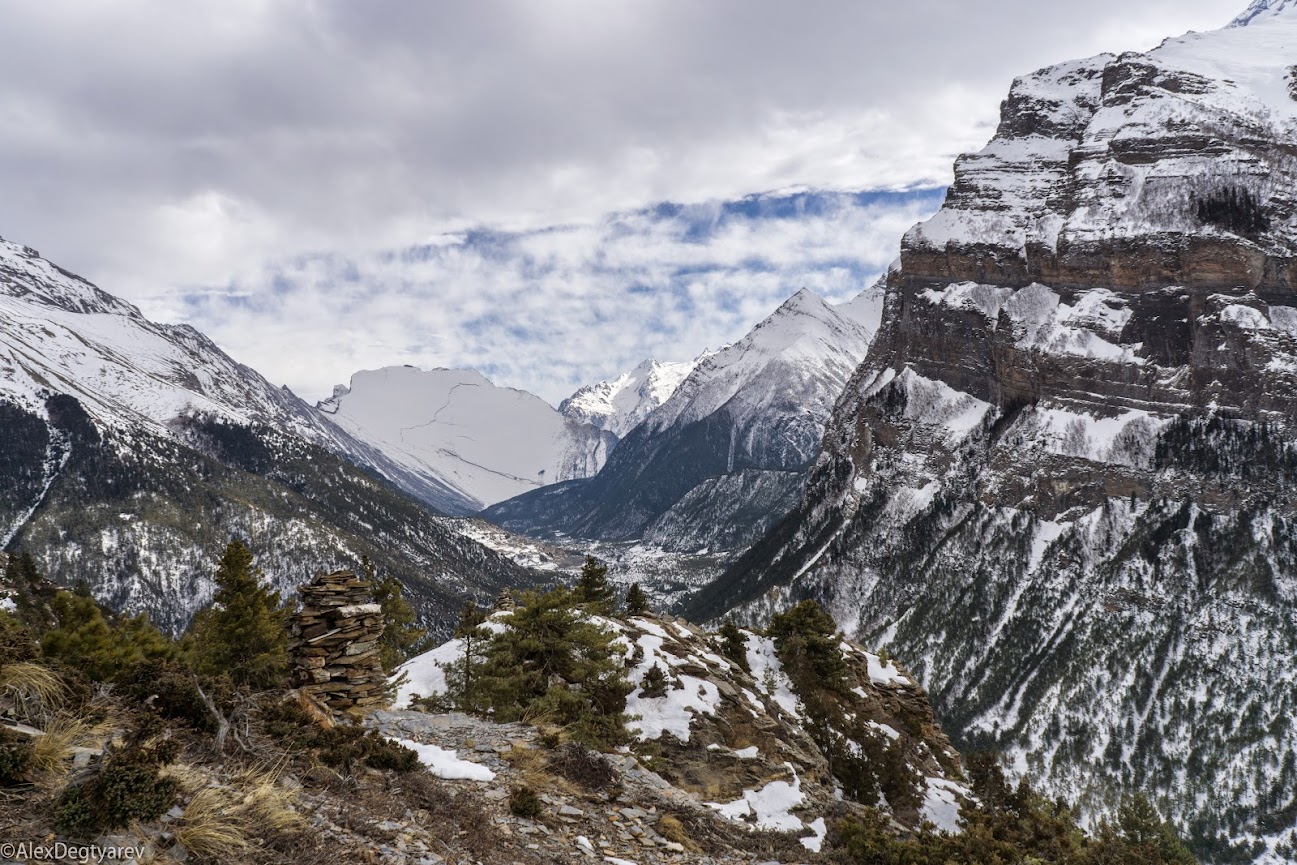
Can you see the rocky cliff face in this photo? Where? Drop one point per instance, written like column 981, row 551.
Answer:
column 1064, row 481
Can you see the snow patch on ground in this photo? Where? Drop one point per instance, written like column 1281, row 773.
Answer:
column 445, row 764
column 884, row 674
column 769, row 674
column 941, row 805
column 425, row 675
column 767, row 808
column 685, row 697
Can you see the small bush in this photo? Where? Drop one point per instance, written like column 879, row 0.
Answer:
column 734, row 645
column 340, row 747
column 126, row 787
column 583, row 766
column 654, row 683
column 523, row 802
column 391, row 756
column 172, row 691
column 16, row 758
column 17, row 642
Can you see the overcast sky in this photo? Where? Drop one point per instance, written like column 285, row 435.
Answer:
column 187, row 155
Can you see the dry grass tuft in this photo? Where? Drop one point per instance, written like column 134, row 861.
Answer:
column 63, row 734
column 187, row 776
column 38, row 689
column 211, row 829
column 221, row 823
column 533, row 770
column 670, row 828
column 269, row 804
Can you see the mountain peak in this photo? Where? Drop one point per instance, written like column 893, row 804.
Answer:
column 1261, row 10
column 619, row 405
column 25, row 275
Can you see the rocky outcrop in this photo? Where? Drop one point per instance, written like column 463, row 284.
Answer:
column 1062, row 482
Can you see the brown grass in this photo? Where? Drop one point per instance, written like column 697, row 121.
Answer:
column 670, row 828
column 221, row 823
column 63, row 733
column 534, row 771
column 38, row 689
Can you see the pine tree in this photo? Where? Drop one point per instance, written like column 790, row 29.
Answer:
column 84, row 639
column 402, row 638
column 242, row 634
column 464, row 683
column 806, row 640
column 734, row 645
column 654, row 683
column 551, row 662
column 592, row 589
column 637, row 603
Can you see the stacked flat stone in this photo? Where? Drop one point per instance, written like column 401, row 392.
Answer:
column 334, row 642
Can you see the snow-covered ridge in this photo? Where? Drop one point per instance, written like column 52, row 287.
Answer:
column 805, row 335
column 1117, row 148
column 621, row 404
column 1262, row 10
column 487, row 443
column 60, row 334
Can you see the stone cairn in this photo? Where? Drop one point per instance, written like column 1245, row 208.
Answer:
column 334, row 642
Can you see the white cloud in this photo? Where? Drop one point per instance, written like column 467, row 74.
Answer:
column 549, row 310
column 158, row 148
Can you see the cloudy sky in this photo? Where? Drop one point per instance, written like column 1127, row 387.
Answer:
column 325, row 186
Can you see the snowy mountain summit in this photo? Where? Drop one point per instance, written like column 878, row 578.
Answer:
column 1262, row 10
column 726, row 455
column 455, row 428
column 620, row 404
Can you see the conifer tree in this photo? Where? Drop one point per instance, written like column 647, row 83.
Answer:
column 592, row 589
column 637, row 603
column 402, row 638
column 806, row 639
column 553, row 663
column 654, row 683
column 464, row 674
column 85, row 640
column 242, row 634
column 734, row 645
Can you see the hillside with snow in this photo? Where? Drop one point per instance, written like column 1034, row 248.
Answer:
column 133, row 451
column 738, row 739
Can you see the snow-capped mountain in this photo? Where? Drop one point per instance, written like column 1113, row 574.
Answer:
column 457, row 429
column 726, row 455
column 134, row 450
column 620, row 404
column 1064, row 480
